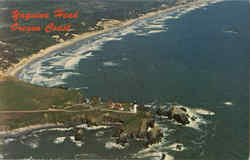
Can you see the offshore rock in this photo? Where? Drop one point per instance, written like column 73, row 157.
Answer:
column 154, row 135
column 123, row 138
column 147, row 131
column 79, row 134
column 144, row 126
column 177, row 113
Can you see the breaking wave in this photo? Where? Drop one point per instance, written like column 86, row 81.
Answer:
column 99, row 133
column 92, row 127
column 228, row 103
column 32, row 143
column 59, row 140
column 51, row 129
column 110, row 64
column 53, row 69
column 167, row 145
column 112, row 145
column 77, row 143
column 8, row 140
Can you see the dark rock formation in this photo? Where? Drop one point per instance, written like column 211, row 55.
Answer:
column 79, row 134
column 151, row 123
column 123, row 138
column 163, row 156
column 179, row 147
column 107, row 119
column 131, row 128
column 95, row 100
column 154, row 135
column 118, row 132
column 147, row 131
column 181, row 118
column 143, row 128
column 179, row 114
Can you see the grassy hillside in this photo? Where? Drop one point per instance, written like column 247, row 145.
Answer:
column 18, row 95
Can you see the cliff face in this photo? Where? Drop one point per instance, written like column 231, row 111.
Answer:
column 177, row 113
column 129, row 127
column 15, row 45
column 18, row 95
column 147, row 131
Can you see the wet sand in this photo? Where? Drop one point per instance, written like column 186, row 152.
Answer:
column 13, row 71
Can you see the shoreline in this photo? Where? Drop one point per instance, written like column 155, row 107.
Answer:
column 13, row 71
column 24, row 130
column 15, row 68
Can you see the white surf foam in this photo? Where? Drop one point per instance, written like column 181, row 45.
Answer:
column 60, row 129
column 92, row 127
column 3, row 43
column 231, row 32
column 157, row 26
column 124, row 59
column 81, row 88
column 70, row 58
column 39, row 131
column 3, row 9
column 1, row 142
column 51, row 129
column 153, row 155
column 128, row 30
column 156, row 31
column 99, row 134
column 110, row 64
column 203, row 111
column 32, row 143
column 4, row 26
column 65, row 75
column 112, row 145
column 8, row 140
column 155, row 151
column 174, row 147
column 228, row 103
column 74, row 61
column 195, row 124
column 141, row 34
column 77, row 143
column 59, row 140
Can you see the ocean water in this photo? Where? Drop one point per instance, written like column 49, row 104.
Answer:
column 195, row 56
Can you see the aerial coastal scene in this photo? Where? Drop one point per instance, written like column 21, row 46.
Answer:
column 124, row 79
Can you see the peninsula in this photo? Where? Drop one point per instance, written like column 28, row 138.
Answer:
column 25, row 107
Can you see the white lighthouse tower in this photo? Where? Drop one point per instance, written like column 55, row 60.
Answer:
column 135, row 108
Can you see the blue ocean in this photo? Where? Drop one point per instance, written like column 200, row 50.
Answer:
column 196, row 56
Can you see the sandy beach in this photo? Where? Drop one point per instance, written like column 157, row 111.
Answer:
column 12, row 71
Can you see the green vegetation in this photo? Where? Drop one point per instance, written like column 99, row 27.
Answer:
column 29, row 105
column 19, row 120
column 20, row 44
column 133, row 123
column 18, row 95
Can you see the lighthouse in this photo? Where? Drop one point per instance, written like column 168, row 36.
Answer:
column 135, row 108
